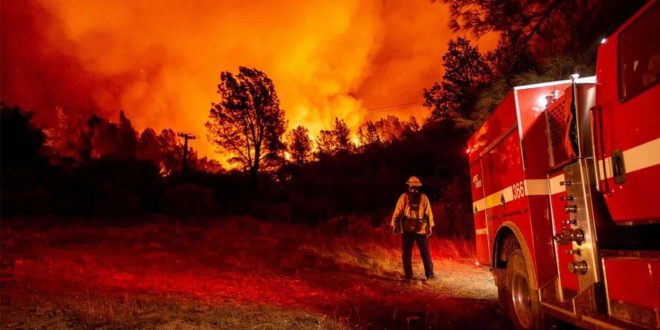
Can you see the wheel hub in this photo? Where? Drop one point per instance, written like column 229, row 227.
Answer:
column 522, row 302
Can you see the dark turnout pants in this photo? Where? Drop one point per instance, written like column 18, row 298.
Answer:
column 407, row 240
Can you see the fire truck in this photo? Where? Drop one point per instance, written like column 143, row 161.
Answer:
column 565, row 179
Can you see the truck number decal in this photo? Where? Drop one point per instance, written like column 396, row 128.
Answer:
column 518, row 190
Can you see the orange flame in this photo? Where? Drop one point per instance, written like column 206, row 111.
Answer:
column 160, row 61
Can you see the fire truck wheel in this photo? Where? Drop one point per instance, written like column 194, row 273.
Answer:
column 523, row 305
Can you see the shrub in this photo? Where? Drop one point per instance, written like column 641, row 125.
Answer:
column 188, row 199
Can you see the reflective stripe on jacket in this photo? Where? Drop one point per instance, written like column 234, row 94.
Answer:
column 403, row 209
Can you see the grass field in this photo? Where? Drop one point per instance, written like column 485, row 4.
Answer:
column 235, row 274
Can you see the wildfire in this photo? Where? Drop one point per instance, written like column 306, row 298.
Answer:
column 160, row 62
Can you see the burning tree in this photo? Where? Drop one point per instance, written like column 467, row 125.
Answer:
column 300, row 145
column 343, row 137
column 389, row 129
column 368, row 134
column 248, row 122
column 335, row 141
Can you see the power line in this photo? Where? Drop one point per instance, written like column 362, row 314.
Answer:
column 392, row 106
column 186, row 137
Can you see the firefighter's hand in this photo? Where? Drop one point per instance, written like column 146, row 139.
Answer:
column 429, row 233
column 396, row 232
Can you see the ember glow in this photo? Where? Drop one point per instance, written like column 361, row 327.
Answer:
column 160, row 61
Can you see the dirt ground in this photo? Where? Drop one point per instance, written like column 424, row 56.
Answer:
column 235, row 274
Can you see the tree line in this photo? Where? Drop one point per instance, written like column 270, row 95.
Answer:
column 107, row 170
column 249, row 125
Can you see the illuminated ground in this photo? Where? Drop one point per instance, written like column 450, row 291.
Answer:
column 234, row 274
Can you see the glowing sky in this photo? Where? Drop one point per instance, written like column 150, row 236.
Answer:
column 160, row 61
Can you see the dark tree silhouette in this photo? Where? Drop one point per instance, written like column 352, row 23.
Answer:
column 248, row 122
column 65, row 139
column 127, row 136
column 466, row 72
column 368, row 134
column 300, row 145
column 342, row 136
column 171, row 151
column 517, row 21
column 21, row 141
column 325, row 144
column 531, row 29
column 109, row 140
column 149, row 146
column 391, row 128
column 335, row 141
column 413, row 125
column 207, row 165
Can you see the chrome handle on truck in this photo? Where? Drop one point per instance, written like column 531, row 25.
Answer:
column 560, row 239
column 578, row 267
column 577, row 236
column 576, row 252
column 567, row 198
column 570, row 235
column 618, row 167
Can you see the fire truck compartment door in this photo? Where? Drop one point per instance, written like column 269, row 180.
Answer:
column 633, row 286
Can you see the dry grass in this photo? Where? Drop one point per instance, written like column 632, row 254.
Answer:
column 353, row 241
column 95, row 311
column 234, row 274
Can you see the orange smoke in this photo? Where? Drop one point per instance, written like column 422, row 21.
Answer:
column 159, row 61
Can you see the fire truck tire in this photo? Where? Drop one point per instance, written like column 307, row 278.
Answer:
column 522, row 303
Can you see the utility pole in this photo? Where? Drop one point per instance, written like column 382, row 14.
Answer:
column 186, row 137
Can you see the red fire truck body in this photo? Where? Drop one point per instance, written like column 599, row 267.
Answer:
column 565, row 180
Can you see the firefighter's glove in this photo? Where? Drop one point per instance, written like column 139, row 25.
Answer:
column 395, row 230
column 429, row 232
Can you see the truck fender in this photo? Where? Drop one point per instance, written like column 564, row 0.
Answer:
column 507, row 228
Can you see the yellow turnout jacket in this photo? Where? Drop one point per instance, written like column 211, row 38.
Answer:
column 403, row 209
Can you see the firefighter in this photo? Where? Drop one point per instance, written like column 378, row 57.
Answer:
column 413, row 219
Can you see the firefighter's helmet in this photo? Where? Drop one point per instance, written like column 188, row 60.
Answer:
column 414, row 181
